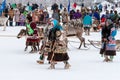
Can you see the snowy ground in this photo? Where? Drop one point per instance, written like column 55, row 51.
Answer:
column 15, row 64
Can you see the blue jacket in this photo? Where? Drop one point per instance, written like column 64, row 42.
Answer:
column 113, row 32
column 96, row 15
column 87, row 20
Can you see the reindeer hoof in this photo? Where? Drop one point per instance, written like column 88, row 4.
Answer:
column 85, row 46
column 107, row 60
column 35, row 51
column 25, row 49
column 51, row 67
column 67, row 66
column 31, row 51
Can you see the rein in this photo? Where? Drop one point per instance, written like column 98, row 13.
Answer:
column 8, row 36
column 77, row 42
column 93, row 44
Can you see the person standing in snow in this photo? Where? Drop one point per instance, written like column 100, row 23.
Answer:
column 87, row 22
column 32, row 32
column 17, row 16
column 71, row 14
column 11, row 15
column 64, row 15
column 58, row 46
column 108, row 41
column 77, row 15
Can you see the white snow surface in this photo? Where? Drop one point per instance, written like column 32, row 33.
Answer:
column 16, row 64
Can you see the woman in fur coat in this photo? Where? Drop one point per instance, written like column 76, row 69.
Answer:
column 108, row 41
column 58, row 45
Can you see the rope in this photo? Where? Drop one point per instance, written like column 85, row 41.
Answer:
column 8, row 36
column 76, row 42
column 93, row 44
column 71, row 44
column 73, row 41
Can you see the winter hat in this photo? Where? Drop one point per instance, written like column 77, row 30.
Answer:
column 56, row 24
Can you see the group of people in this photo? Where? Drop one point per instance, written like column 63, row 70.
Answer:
column 17, row 14
column 56, row 48
column 55, row 45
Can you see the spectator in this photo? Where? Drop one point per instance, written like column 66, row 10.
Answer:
column 108, row 41
column 17, row 15
column 77, row 15
column 22, row 19
column 87, row 22
column 11, row 15
column 64, row 15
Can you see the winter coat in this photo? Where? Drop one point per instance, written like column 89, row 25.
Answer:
column 72, row 14
column 64, row 16
column 108, row 40
column 56, row 27
column 114, row 17
column 87, row 20
column 22, row 18
column 77, row 15
column 105, row 33
column 17, row 15
column 11, row 14
column 6, row 12
column 103, row 18
column 96, row 15
column 100, row 7
column 59, row 47
column 31, row 28
column 56, row 16
column 111, row 44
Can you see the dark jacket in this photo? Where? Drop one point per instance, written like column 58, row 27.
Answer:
column 106, row 30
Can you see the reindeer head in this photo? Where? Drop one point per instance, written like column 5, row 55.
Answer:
column 21, row 33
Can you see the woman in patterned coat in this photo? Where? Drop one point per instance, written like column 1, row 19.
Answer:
column 32, row 32
column 58, row 45
column 108, row 41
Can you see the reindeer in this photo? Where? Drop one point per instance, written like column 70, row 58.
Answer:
column 33, row 44
column 78, row 27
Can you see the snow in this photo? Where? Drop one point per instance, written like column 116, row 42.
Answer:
column 86, row 64
column 16, row 64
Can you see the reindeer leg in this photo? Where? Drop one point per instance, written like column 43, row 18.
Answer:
column 80, row 45
column 84, row 42
column 35, row 49
column 81, row 40
column 38, row 46
column 27, row 43
column 26, row 48
column 32, row 49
